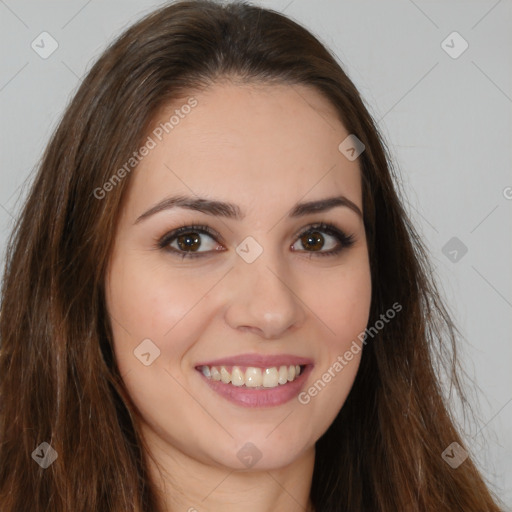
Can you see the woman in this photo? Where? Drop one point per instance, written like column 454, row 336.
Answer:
column 166, row 341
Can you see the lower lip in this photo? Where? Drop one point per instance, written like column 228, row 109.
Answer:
column 264, row 397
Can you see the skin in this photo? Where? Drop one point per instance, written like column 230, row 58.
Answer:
column 264, row 148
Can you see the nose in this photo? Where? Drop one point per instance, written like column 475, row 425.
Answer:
column 263, row 297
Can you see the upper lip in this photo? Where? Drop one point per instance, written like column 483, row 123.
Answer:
column 259, row 360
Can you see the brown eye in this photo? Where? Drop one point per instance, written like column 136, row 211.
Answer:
column 190, row 241
column 324, row 240
column 313, row 241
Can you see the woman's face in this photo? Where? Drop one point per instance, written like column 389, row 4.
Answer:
column 265, row 291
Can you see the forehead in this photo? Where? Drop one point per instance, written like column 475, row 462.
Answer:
column 250, row 144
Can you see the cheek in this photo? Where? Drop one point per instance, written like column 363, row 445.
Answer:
column 343, row 307
column 343, row 303
column 144, row 302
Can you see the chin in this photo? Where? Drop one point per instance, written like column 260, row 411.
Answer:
column 263, row 450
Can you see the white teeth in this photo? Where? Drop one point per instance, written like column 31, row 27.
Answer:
column 283, row 375
column 224, row 375
column 270, row 377
column 253, row 377
column 237, row 377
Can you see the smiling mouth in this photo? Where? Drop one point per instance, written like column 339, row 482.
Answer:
column 252, row 376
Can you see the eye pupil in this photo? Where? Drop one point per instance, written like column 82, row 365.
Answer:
column 311, row 240
column 189, row 241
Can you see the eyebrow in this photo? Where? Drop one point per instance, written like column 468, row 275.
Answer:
column 232, row 211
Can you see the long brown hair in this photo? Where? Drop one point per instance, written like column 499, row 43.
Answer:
column 58, row 378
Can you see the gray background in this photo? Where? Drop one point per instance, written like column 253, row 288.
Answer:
column 447, row 121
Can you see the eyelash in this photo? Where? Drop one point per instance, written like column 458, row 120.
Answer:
column 344, row 240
